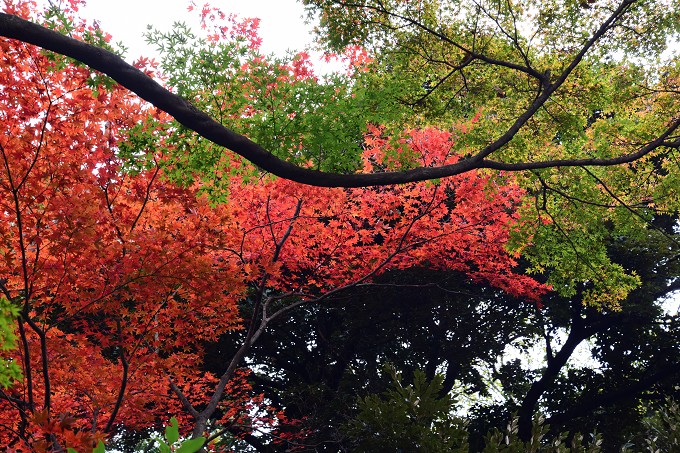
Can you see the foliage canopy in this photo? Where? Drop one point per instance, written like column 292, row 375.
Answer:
column 519, row 146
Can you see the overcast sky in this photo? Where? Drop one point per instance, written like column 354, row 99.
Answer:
column 282, row 25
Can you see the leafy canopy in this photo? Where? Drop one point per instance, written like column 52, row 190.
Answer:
column 125, row 273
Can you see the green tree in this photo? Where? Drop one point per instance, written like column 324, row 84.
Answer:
column 319, row 360
column 408, row 418
column 636, row 347
column 316, row 362
column 663, row 428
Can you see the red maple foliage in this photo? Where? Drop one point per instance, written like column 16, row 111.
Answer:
column 122, row 277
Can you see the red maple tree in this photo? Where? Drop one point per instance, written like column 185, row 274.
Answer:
column 122, row 276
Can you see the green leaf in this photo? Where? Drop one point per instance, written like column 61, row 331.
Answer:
column 163, row 447
column 71, row 450
column 101, row 448
column 191, row 445
column 172, row 431
column 9, row 371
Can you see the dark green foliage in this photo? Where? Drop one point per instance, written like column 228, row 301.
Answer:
column 317, row 363
column 409, row 418
column 663, row 429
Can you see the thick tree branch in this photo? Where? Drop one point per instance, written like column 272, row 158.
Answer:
column 28, row 373
column 581, row 329
column 44, row 359
column 123, row 383
column 539, row 387
column 659, row 142
column 185, row 113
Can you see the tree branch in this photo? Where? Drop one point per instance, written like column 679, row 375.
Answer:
column 182, row 397
column 185, row 113
column 124, row 379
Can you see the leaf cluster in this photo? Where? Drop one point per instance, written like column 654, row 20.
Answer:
column 411, row 417
column 10, row 372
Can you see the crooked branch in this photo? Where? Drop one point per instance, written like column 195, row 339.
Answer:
column 185, row 113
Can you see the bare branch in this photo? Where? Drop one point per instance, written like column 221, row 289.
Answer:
column 185, row 402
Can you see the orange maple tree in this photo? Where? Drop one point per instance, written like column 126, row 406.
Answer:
column 115, row 274
column 122, row 276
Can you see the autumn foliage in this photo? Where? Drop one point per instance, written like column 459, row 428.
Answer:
column 122, row 277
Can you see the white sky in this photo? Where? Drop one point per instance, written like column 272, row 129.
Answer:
column 282, row 25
